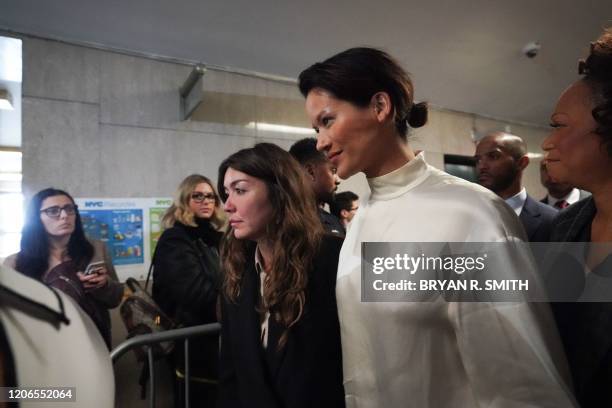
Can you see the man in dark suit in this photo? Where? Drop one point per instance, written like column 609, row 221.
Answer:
column 500, row 161
column 324, row 180
column 560, row 195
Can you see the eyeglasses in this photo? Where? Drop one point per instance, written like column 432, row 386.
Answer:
column 56, row 210
column 199, row 197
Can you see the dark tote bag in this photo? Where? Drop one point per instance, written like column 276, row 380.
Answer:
column 141, row 315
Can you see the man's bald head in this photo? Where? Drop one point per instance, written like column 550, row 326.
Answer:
column 512, row 144
column 500, row 161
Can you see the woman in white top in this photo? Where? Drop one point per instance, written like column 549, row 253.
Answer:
column 430, row 354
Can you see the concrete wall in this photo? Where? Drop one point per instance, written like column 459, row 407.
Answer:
column 99, row 123
column 106, row 124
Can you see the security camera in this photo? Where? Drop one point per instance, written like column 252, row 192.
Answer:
column 532, row 49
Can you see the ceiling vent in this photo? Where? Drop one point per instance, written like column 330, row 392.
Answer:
column 261, row 112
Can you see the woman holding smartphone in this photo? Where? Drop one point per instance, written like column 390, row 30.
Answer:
column 280, row 339
column 54, row 250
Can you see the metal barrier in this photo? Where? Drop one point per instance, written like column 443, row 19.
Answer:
column 169, row 335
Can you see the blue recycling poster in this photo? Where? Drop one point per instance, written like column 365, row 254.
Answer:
column 120, row 229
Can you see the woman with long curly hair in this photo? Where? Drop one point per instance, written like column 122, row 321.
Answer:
column 280, row 334
column 579, row 152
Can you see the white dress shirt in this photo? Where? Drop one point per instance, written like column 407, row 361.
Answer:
column 571, row 198
column 517, row 201
column 259, row 268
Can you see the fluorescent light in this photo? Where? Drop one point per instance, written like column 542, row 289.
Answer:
column 270, row 127
column 10, row 176
column 10, row 59
column 10, row 161
column 11, row 214
column 5, row 100
column 532, row 155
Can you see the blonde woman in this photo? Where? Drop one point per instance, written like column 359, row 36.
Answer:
column 186, row 276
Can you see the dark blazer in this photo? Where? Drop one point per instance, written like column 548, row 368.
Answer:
column 585, row 328
column 573, row 224
column 331, row 223
column 307, row 371
column 537, row 219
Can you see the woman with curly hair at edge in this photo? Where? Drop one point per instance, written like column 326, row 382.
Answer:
column 578, row 151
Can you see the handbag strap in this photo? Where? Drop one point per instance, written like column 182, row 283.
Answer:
column 150, row 270
column 149, row 275
column 33, row 305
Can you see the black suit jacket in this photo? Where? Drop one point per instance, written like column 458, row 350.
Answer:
column 537, row 220
column 573, row 224
column 331, row 223
column 307, row 371
column 585, row 328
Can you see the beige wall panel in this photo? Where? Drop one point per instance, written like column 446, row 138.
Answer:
column 60, row 71
column 428, row 136
column 358, row 184
column 60, row 146
column 140, row 162
column 284, row 142
column 455, row 133
column 484, row 126
column 136, row 91
column 436, row 159
column 222, row 81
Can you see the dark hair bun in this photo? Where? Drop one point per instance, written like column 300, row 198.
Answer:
column 418, row 115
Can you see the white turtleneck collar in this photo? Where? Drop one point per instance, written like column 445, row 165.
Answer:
column 399, row 181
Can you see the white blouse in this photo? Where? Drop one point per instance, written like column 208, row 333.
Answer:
column 441, row 354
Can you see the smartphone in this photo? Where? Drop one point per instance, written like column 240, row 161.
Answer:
column 93, row 266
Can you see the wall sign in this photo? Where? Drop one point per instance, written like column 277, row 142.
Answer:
column 130, row 228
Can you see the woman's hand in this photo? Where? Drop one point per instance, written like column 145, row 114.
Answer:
column 95, row 280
